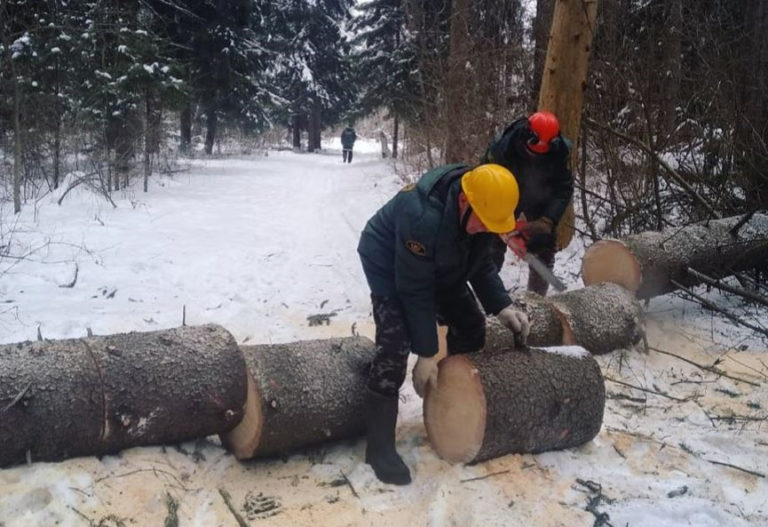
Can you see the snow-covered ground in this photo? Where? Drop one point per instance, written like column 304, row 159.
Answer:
column 259, row 244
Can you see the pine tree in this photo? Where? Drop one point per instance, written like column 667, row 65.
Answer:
column 385, row 60
column 223, row 48
column 314, row 73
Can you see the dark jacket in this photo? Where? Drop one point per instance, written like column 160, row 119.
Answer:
column 545, row 181
column 414, row 249
column 348, row 137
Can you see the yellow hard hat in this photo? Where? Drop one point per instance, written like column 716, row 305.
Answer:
column 493, row 193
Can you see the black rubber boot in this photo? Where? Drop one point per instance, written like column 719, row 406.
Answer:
column 380, row 453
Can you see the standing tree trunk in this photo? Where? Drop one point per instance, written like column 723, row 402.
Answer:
column 99, row 395
column 486, row 405
column 394, row 137
column 210, row 133
column 296, row 129
column 302, row 393
column 752, row 123
column 185, row 124
column 565, row 79
column 672, row 50
column 17, row 142
column 315, row 124
column 458, row 83
column 541, row 26
column 148, row 133
column 57, row 121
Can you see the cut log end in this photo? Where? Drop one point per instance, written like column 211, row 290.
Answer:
column 569, row 339
column 243, row 440
column 455, row 411
column 611, row 261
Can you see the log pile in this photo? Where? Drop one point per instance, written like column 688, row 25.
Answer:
column 98, row 395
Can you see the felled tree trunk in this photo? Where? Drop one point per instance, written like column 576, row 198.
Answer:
column 487, row 405
column 302, row 393
column 98, row 395
column 600, row 318
column 648, row 262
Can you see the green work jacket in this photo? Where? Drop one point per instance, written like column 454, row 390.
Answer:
column 415, row 250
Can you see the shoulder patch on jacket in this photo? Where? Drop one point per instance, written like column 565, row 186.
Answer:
column 416, row 248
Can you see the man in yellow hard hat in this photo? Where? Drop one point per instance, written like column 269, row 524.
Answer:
column 421, row 252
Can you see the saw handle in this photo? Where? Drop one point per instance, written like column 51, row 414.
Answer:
column 517, row 240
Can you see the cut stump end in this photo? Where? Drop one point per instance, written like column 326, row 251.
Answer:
column 455, row 411
column 243, row 440
column 611, row 261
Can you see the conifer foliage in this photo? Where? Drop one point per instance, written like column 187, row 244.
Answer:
column 101, row 78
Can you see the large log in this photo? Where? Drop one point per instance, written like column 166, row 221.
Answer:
column 302, row 393
column 98, row 395
column 600, row 318
column 649, row 262
column 487, row 405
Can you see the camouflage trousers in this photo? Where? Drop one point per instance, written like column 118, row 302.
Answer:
column 458, row 310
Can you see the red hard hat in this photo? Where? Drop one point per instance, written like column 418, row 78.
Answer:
column 546, row 127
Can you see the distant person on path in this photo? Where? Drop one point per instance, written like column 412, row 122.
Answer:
column 348, row 137
column 420, row 253
column 533, row 149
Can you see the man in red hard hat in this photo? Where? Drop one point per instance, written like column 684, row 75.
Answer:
column 535, row 151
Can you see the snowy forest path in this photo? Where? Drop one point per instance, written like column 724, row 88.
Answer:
column 256, row 244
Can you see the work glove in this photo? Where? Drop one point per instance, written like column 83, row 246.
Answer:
column 517, row 322
column 424, row 375
column 539, row 235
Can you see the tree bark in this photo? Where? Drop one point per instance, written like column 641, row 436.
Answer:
column 99, row 395
column 210, row 133
column 457, row 83
column 600, row 318
column 57, row 120
column 17, row 142
column 315, row 125
column 394, row 137
column 672, row 34
column 486, row 405
column 565, row 79
column 302, row 393
column 751, row 125
column 148, row 133
column 296, row 129
column 646, row 263
column 185, row 125
column 541, row 26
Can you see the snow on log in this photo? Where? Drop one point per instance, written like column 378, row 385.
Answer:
column 302, row 393
column 648, row 262
column 99, row 395
column 487, row 405
column 600, row 318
